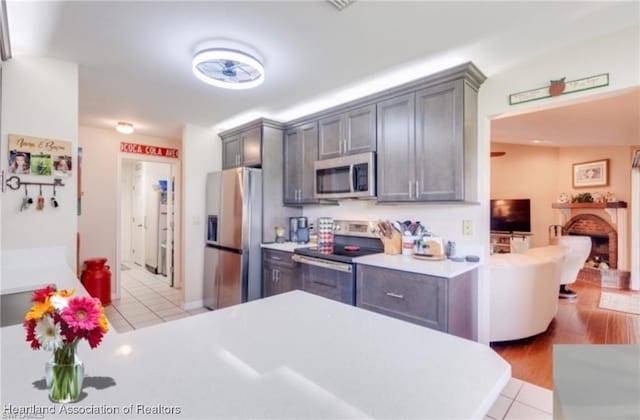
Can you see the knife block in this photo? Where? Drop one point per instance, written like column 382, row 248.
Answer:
column 392, row 245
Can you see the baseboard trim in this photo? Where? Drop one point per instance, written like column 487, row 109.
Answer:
column 195, row 304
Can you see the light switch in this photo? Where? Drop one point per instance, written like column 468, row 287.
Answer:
column 467, row 227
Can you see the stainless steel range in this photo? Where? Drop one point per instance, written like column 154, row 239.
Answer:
column 329, row 271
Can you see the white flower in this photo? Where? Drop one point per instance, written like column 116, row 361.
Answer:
column 59, row 302
column 48, row 333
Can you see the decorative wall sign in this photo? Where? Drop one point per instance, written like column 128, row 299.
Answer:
column 145, row 149
column 38, row 156
column 559, row 87
column 591, row 174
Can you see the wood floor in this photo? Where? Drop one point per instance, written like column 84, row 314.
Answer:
column 578, row 321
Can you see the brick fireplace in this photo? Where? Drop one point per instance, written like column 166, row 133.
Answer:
column 604, row 237
column 606, row 225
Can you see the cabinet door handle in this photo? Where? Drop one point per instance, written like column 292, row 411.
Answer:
column 395, row 295
column 273, row 257
column 417, row 189
column 410, row 190
column 277, row 275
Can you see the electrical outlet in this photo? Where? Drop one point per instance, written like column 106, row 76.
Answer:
column 467, row 227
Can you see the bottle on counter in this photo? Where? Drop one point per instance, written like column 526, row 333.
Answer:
column 408, row 242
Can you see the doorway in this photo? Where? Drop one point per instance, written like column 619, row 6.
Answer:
column 147, row 220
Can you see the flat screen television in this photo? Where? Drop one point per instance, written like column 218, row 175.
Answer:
column 512, row 215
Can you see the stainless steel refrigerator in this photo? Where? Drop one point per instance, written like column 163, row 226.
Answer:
column 232, row 269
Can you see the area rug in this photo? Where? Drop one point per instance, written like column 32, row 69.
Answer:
column 620, row 303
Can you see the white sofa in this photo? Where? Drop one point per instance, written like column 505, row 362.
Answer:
column 524, row 292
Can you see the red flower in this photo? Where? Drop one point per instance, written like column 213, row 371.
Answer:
column 82, row 313
column 30, row 326
column 41, row 295
column 94, row 337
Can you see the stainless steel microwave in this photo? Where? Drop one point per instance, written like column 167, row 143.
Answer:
column 351, row 176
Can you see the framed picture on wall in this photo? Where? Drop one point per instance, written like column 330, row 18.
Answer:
column 591, row 174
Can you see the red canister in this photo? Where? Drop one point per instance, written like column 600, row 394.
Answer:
column 96, row 278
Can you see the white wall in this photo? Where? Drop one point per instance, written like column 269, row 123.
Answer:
column 98, row 224
column 617, row 54
column 201, row 148
column 40, row 99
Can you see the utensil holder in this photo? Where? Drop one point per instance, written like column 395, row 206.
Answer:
column 392, row 245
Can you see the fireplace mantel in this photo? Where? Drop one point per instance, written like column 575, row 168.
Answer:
column 612, row 208
column 613, row 205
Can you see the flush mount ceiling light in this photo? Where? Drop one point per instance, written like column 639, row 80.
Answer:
column 124, row 128
column 227, row 68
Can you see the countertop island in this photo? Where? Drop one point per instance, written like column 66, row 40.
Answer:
column 294, row 355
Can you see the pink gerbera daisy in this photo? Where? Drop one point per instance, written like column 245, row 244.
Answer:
column 81, row 313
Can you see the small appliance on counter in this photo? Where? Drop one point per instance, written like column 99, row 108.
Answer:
column 293, row 229
column 303, row 230
column 280, row 237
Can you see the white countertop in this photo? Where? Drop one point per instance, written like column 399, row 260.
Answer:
column 294, row 355
column 286, row 246
column 27, row 269
column 446, row 268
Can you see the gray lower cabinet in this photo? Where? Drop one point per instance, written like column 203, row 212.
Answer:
column 300, row 153
column 347, row 133
column 279, row 273
column 243, row 149
column 444, row 304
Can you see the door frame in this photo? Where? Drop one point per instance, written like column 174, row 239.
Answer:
column 176, row 171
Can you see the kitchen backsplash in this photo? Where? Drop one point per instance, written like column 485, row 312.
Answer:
column 442, row 220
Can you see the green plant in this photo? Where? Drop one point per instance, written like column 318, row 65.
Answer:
column 582, row 198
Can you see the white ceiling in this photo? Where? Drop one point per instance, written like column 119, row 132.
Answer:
column 599, row 120
column 135, row 57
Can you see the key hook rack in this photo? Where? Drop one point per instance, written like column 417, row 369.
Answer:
column 14, row 183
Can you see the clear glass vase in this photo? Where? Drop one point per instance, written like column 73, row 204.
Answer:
column 64, row 374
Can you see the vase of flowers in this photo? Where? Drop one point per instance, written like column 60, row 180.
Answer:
column 56, row 322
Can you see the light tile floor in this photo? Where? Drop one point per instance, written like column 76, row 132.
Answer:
column 522, row 400
column 146, row 299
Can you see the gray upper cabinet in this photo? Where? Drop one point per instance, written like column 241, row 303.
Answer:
column 300, row 153
column 231, row 152
column 443, row 304
column 426, row 142
column 251, row 141
column 243, row 149
column 396, row 148
column 348, row 133
column 439, row 151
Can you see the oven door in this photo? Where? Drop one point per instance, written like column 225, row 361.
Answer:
column 333, row 280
